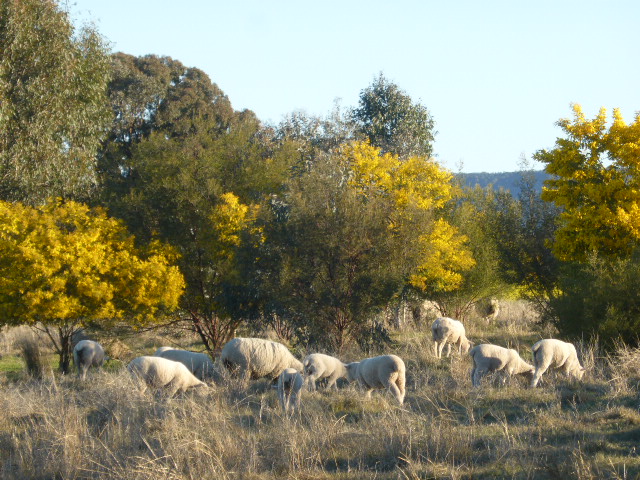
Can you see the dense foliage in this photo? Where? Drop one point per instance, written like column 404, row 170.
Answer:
column 53, row 110
column 64, row 266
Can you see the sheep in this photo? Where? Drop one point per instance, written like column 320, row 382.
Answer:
column 492, row 358
column 87, row 353
column 385, row 371
column 555, row 354
column 159, row 351
column 447, row 331
column 258, row 358
column 158, row 372
column 318, row 366
column 200, row 364
column 290, row 384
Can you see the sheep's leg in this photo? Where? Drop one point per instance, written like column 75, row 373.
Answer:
column 436, row 346
column 440, row 348
column 331, row 382
column 311, row 380
column 538, row 374
column 448, row 349
column 477, row 375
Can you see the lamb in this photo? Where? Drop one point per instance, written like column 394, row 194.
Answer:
column 492, row 358
column 290, row 384
column 385, row 371
column 200, row 364
column 258, row 358
column 318, row 366
column 447, row 331
column 158, row 372
column 87, row 353
column 555, row 354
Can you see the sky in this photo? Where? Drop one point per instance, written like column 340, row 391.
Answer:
column 496, row 76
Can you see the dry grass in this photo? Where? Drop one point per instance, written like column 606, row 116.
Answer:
column 106, row 428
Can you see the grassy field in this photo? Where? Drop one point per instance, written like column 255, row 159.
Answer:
column 60, row 428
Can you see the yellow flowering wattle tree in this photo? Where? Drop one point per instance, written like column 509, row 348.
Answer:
column 63, row 265
column 596, row 181
column 419, row 188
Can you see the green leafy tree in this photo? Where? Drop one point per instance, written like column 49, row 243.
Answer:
column 346, row 237
column 472, row 213
column 64, row 265
column 523, row 230
column 53, row 105
column 598, row 298
column 391, row 121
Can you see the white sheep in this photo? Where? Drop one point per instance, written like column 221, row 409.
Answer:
column 385, row 371
column 160, row 350
column 552, row 353
column 158, row 372
column 258, row 358
column 200, row 364
column 87, row 353
column 492, row 358
column 447, row 331
column 290, row 384
column 318, row 366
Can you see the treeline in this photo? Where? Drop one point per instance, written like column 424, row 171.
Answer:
column 149, row 199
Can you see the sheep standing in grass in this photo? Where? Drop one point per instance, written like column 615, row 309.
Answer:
column 447, row 331
column 258, row 358
column 290, row 384
column 200, row 364
column 492, row 358
column 318, row 366
column 87, row 353
column 385, row 371
column 158, row 372
column 552, row 353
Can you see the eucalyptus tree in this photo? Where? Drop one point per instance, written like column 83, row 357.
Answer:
column 390, row 120
column 53, row 104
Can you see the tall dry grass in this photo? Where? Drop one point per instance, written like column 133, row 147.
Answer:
column 107, row 428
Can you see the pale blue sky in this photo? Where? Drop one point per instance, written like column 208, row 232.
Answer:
column 495, row 75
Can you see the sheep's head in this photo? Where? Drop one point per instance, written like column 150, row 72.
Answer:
column 352, row 368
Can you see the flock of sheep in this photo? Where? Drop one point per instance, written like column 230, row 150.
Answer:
column 176, row 370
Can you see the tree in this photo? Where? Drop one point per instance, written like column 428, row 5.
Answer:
column 348, row 235
column 598, row 298
column 64, row 265
column 473, row 214
column 391, row 121
column 53, row 105
column 596, row 183
column 157, row 94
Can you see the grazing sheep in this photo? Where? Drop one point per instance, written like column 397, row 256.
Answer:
column 258, row 358
column 552, row 353
column 87, row 353
column 492, row 358
column 158, row 372
column 447, row 331
column 385, row 371
column 290, row 384
column 318, row 366
column 492, row 310
column 160, row 350
column 200, row 364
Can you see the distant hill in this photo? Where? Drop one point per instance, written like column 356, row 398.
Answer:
column 506, row 180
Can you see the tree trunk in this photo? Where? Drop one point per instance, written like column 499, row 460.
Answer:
column 65, row 349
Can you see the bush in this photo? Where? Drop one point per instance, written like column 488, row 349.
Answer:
column 600, row 298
